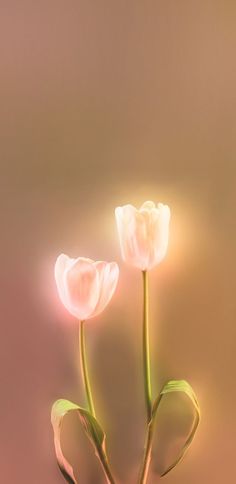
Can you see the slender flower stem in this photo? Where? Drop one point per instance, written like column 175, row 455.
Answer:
column 147, row 455
column 148, row 446
column 146, row 349
column 107, row 471
column 147, row 383
column 84, row 368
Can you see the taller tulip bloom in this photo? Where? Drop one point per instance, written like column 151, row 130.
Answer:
column 85, row 288
column 143, row 233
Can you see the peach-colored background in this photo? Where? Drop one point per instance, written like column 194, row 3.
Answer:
column 104, row 103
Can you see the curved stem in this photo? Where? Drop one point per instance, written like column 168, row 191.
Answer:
column 84, row 368
column 146, row 349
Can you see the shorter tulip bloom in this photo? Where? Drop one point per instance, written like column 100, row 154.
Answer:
column 85, row 287
column 143, row 233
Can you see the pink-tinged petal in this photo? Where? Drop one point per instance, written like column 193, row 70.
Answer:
column 82, row 288
column 62, row 262
column 108, row 274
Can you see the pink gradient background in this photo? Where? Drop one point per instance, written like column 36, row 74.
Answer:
column 104, row 103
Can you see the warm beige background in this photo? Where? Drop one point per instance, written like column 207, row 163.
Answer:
column 103, row 103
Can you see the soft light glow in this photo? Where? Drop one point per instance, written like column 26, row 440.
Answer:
column 143, row 233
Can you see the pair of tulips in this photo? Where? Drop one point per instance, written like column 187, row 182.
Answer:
column 85, row 288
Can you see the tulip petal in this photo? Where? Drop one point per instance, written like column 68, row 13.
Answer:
column 159, row 234
column 141, row 238
column 108, row 274
column 132, row 235
column 62, row 262
column 81, row 287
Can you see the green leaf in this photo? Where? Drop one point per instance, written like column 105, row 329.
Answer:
column 181, row 386
column 60, row 409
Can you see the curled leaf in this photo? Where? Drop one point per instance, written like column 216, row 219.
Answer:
column 60, row 409
column 181, row 386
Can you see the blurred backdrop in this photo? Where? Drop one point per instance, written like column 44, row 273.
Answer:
column 104, row 103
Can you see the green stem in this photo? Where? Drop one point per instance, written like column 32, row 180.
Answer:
column 148, row 446
column 87, row 386
column 147, row 455
column 147, row 383
column 84, row 368
column 107, row 471
column 146, row 349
